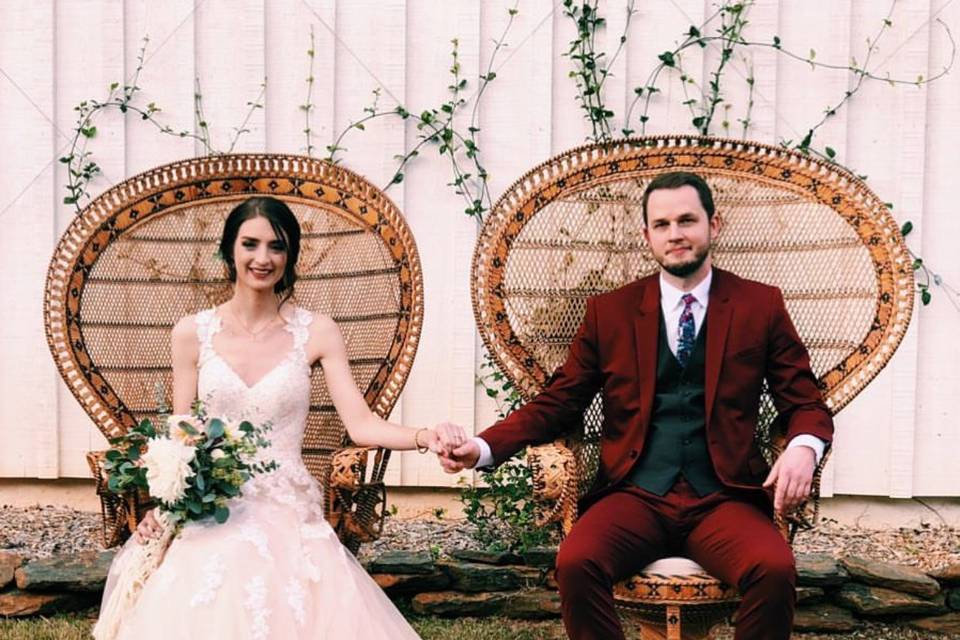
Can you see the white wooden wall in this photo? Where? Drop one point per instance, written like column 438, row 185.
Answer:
column 897, row 439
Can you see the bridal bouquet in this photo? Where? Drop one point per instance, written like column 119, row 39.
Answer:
column 192, row 465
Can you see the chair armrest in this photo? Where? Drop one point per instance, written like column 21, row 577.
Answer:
column 355, row 506
column 555, row 483
column 347, row 468
column 120, row 514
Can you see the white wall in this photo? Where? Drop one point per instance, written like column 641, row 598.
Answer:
column 897, row 439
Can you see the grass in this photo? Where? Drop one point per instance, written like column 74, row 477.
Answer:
column 77, row 627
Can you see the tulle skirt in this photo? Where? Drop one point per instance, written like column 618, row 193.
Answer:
column 274, row 570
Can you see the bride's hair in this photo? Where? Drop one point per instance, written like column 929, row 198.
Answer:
column 284, row 224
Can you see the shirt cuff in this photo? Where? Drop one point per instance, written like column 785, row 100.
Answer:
column 806, row 440
column 486, row 455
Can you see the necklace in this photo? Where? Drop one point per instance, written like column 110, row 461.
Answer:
column 253, row 333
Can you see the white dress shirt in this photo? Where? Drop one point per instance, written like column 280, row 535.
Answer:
column 671, row 301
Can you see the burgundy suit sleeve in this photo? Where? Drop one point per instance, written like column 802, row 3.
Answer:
column 791, row 380
column 562, row 402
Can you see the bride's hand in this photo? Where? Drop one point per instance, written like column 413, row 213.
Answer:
column 148, row 528
column 449, row 436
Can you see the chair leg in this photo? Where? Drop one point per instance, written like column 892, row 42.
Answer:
column 675, row 628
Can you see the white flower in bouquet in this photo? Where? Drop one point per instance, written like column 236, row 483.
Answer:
column 185, row 434
column 167, row 462
column 231, row 429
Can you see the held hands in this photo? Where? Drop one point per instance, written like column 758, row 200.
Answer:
column 457, row 452
column 792, row 477
column 443, row 438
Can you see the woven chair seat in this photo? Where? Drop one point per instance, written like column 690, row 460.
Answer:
column 571, row 228
column 144, row 254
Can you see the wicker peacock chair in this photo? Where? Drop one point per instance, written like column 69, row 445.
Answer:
column 143, row 254
column 572, row 228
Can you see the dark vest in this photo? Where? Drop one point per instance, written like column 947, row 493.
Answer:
column 676, row 438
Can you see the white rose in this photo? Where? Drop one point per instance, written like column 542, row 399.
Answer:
column 216, row 454
column 168, row 468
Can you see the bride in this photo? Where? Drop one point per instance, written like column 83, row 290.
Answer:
column 275, row 569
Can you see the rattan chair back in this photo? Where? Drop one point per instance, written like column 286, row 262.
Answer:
column 572, row 228
column 145, row 253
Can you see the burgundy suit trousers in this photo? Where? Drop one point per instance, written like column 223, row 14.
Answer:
column 725, row 533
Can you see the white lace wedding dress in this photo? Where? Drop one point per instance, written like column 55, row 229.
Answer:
column 275, row 569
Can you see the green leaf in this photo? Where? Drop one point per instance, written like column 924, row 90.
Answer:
column 925, row 297
column 667, row 58
column 906, row 228
column 830, row 153
column 215, row 429
column 776, row 41
column 221, row 514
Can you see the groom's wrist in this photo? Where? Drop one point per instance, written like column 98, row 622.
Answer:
column 485, row 459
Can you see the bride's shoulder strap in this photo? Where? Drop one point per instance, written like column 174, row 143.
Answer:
column 208, row 323
column 299, row 326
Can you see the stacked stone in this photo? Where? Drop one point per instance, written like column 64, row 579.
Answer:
column 472, row 583
column 835, row 595
column 71, row 582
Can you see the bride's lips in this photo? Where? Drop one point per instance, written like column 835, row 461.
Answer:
column 260, row 274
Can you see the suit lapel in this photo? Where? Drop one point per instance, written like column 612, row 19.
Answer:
column 719, row 312
column 646, row 328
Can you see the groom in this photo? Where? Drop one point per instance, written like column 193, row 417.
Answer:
column 680, row 358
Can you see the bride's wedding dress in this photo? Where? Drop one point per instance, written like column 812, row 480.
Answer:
column 275, row 569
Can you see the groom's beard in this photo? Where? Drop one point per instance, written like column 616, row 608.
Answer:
column 684, row 269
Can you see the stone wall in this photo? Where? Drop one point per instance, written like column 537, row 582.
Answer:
column 835, row 595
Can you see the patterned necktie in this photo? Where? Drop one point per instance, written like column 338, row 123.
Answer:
column 686, row 331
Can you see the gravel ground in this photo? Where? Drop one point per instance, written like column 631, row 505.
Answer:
column 41, row 531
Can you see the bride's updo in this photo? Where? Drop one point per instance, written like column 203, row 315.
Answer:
column 284, row 224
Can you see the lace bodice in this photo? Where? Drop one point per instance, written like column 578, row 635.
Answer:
column 281, row 397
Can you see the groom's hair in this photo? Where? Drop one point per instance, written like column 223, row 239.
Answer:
column 675, row 180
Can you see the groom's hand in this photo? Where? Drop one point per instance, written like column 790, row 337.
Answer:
column 462, row 457
column 792, row 476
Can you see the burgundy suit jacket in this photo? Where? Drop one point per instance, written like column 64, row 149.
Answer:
column 749, row 337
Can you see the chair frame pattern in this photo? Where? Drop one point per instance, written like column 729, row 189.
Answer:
column 163, row 189
column 555, row 467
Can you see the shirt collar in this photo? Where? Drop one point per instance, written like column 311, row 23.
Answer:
column 670, row 296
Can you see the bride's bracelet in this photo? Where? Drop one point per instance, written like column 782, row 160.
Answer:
column 416, row 441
